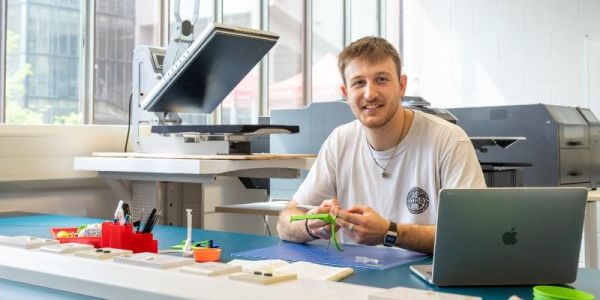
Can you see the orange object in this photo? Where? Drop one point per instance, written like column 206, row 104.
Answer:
column 207, row 254
column 95, row 241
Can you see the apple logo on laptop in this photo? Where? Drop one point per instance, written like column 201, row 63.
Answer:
column 510, row 237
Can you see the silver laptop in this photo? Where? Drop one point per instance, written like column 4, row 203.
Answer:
column 506, row 236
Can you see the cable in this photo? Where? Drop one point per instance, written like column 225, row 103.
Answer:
column 128, row 122
column 267, row 225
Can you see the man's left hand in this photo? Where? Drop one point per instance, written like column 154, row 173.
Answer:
column 361, row 223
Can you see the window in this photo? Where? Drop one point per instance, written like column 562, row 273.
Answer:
column 48, row 81
column 330, row 35
column 327, row 42
column 43, row 61
column 120, row 26
column 205, row 15
column 241, row 105
column 364, row 18
column 285, row 59
column 205, row 11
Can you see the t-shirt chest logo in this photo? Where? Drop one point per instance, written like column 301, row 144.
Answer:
column 417, row 200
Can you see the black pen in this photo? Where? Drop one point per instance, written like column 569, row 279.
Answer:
column 149, row 220
column 154, row 221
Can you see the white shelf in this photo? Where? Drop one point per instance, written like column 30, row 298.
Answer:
column 184, row 166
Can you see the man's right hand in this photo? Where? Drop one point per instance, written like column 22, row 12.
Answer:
column 297, row 231
column 318, row 227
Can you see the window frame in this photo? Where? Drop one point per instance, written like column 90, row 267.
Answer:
column 307, row 35
column 88, row 55
column 3, row 20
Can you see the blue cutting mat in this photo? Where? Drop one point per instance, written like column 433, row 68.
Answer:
column 321, row 254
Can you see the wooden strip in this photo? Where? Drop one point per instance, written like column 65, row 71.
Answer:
column 594, row 196
column 256, row 156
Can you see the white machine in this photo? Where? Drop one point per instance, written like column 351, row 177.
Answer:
column 193, row 75
column 196, row 165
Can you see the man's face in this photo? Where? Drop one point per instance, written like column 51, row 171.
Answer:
column 373, row 91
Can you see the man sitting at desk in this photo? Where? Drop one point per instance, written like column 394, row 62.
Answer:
column 381, row 174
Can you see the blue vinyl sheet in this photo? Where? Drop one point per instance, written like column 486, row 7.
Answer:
column 321, row 254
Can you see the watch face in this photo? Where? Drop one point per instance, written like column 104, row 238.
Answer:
column 389, row 239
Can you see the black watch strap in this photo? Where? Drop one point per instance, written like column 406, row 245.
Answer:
column 393, row 227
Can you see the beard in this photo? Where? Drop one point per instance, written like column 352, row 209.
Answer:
column 370, row 122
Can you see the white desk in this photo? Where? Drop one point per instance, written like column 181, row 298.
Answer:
column 194, row 166
column 219, row 171
column 591, row 230
column 218, row 175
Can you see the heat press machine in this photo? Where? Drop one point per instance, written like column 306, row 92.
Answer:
column 193, row 75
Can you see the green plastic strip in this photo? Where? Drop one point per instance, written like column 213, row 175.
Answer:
column 327, row 218
column 195, row 245
column 557, row 292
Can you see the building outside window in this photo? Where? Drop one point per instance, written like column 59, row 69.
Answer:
column 45, row 56
column 120, row 25
column 43, row 61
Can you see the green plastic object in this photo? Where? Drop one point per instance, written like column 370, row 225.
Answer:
column 195, row 245
column 548, row 292
column 327, row 218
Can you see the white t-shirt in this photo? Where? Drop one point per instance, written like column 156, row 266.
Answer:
column 435, row 154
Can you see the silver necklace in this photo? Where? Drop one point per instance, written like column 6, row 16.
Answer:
column 384, row 173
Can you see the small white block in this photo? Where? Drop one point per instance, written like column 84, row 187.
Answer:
column 211, row 269
column 154, row 260
column 263, row 278
column 103, row 253
column 66, row 248
column 27, row 242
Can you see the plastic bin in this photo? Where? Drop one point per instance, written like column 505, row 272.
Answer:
column 95, row 241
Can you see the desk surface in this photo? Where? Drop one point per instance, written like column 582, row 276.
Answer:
column 39, row 225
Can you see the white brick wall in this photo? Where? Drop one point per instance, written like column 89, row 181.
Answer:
column 496, row 52
column 503, row 52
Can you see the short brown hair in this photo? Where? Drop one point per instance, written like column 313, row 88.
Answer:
column 371, row 49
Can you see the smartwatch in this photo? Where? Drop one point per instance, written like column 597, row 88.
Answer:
column 389, row 240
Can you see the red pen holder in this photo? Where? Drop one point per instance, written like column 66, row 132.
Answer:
column 123, row 237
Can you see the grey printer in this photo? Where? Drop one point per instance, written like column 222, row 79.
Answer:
column 557, row 144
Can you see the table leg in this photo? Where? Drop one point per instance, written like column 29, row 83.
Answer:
column 591, row 236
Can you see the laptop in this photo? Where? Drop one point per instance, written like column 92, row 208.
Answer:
column 506, row 236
